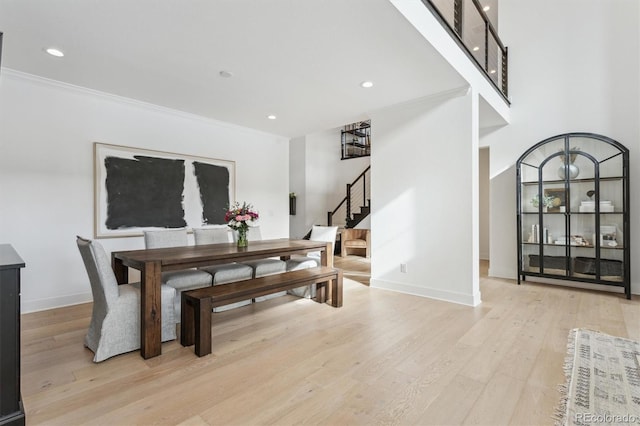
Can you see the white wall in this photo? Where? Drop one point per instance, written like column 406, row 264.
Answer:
column 297, row 184
column 316, row 157
column 424, row 168
column 577, row 72
column 47, row 131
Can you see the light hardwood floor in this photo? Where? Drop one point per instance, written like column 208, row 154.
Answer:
column 383, row 358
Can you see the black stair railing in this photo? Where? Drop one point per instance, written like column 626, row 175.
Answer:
column 358, row 197
column 470, row 27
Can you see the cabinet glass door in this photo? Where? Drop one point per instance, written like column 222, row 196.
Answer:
column 573, row 210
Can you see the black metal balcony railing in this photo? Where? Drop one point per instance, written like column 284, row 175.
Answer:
column 470, row 27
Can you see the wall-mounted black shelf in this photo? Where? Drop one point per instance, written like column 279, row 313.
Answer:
column 356, row 140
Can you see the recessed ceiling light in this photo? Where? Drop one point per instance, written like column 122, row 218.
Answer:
column 366, row 84
column 271, row 117
column 492, row 72
column 54, row 52
column 486, row 8
column 475, row 49
column 226, row 74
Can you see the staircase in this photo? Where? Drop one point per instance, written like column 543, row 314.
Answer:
column 357, row 217
column 358, row 194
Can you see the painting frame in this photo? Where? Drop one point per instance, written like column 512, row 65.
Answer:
column 192, row 198
column 556, row 193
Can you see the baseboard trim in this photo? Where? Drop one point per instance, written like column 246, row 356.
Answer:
column 505, row 273
column 54, row 302
column 431, row 293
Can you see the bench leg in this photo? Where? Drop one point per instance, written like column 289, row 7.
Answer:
column 321, row 292
column 203, row 326
column 336, row 290
column 187, row 314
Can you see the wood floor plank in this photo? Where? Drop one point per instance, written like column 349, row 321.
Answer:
column 454, row 401
column 497, row 402
column 383, row 358
column 535, row 406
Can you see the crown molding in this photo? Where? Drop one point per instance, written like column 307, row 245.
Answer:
column 36, row 79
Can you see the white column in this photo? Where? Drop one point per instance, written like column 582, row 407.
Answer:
column 424, row 167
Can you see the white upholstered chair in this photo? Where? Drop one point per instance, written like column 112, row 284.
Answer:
column 204, row 236
column 227, row 272
column 115, row 320
column 311, row 260
column 187, row 279
column 263, row 267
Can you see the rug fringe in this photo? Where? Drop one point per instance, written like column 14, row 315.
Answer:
column 560, row 415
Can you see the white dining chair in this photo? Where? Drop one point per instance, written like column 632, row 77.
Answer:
column 187, row 279
column 313, row 259
column 263, row 267
column 227, row 272
column 115, row 321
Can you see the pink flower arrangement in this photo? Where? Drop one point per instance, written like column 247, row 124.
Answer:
column 238, row 216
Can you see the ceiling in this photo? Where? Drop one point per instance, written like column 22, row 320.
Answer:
column 301, row 60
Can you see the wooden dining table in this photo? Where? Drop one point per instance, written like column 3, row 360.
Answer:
column 152, row 262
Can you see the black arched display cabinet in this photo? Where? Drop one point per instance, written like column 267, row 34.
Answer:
column 573, row 210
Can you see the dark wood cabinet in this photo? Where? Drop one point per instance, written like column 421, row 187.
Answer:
column 11, row 409
column 573, row 211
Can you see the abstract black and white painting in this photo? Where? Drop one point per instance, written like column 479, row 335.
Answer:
column 137, row 189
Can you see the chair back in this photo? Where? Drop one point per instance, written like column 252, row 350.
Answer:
column 355, row 234
column 253, row 234
column 323, row 233
column 104, row 286
column 211, row 235
column 166, row 238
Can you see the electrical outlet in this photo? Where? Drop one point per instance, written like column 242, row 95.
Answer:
column 403, row 267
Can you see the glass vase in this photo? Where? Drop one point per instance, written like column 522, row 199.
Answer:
column 242, row 238
column 573, row 171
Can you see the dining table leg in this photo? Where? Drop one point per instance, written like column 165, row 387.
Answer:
column 121, row 272
column 151, row 310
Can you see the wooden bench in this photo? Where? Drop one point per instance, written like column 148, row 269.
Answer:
column 195, row 325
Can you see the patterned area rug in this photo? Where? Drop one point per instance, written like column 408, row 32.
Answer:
column 603, row 380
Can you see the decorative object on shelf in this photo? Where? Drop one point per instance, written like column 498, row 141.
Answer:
column 573, row 240
column 558, row 198
column 574, row 171
column 608, row 235
column 572, row 155
column 590, row 207
column 292, row 203
column 535, row 237
column 238, row 218
column 589, row 240
column 547, row 201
